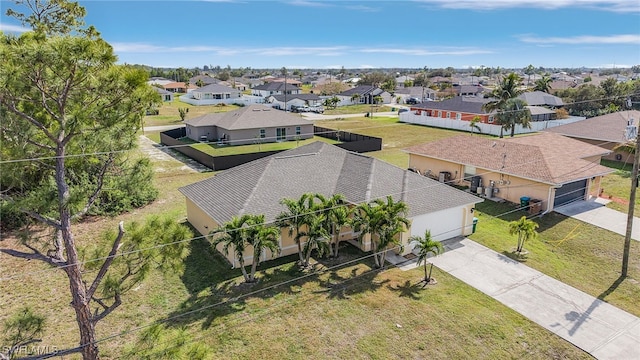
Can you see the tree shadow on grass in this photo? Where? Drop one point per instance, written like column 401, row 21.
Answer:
column 408, row 290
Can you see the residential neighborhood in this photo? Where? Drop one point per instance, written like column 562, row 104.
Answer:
column 242, row 184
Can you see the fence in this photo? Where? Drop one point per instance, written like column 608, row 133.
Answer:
column 463, row 125
column 349, row 141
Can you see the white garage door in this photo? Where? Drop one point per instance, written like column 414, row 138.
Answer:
column 443, row 224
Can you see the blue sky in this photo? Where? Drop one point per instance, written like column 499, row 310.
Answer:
column 367, row 34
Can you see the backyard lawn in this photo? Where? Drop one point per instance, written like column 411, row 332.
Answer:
column 222, row 150
column 357, row 109
column 617, row 187
column 169, row 114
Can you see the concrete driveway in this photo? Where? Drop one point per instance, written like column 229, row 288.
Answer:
column 593, row 325
column 594, row 212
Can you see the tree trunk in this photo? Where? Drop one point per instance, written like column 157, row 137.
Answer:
column 430, row 270
column 254, row 265
column 426, row 278
column 299, row 248
column 80, row 302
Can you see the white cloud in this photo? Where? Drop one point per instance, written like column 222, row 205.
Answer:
column 608, row 5
column 308, row 3
column 13, row 28
column 583, row 39
column 121, row 47
column 363, row 8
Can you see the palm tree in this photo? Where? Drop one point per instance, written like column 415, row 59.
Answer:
column 543, row 84
column 529, row 70
column 336, row 215
column 473, row 124
column 426, row 245
column 355, row 97
column 295, row 217
column 317, row 237
column 508, row 88
column 382, row 220
column 261, row 237
column 515, row 112
column 233, row 234
column 525, row 228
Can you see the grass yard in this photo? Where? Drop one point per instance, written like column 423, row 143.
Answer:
column 357, row 109
column 579, row 254
column 617, row 186
column 169, row 114
column 222, row 150
column 395, row 135
column 348, row 311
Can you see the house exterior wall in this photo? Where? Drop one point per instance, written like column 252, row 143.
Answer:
column 198, row 95
column 250, row 136
column 199, row 219
column 508, row 187
column 195, row 132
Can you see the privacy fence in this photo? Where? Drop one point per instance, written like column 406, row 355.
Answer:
column 348, row 141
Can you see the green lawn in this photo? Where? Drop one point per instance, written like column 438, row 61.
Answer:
column 617, row 186
column 169, row 114
column 579, row 254
column 223, row 150
column 395, row 135
column 357, row 109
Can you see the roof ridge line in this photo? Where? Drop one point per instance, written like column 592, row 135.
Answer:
column 255, row 186
column 367, row 194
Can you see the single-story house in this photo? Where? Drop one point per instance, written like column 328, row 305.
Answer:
column 164, row 94
column 258, row 187
column 366, row 94
column 606, row 131
column 203, row 80
column 545, row 166
column 248, row 125
column 418, row 92
column 216, row 92
column 541, row 98
column 278, row 101
column 179, row 87
column 275, row 88
column 459, row 108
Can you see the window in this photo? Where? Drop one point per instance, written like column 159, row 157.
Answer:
column 439, row 114
column 281, row 134
column 458, row 116
column 448, row 115
column 263, row 133
column 298, row 130
column 490, row 119
column 469, row 171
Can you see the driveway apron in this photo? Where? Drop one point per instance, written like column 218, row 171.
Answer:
column 593, row 325
column 594, row 212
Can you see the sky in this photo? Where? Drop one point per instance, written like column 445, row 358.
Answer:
column 299, row 34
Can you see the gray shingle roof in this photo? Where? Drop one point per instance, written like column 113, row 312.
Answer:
column 216, row 89
column 541, row 98
column 470, row 104
column 546, row 157
column 360, row 90
column 610, row 127
column 257, row 187
column 248, row 117
column 276, row 86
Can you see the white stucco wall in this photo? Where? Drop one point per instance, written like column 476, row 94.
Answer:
column 443, row 224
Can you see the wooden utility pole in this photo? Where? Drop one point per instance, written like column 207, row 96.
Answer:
column 632, row 203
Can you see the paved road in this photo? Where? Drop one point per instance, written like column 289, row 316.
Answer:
column 594, row 212
column 593, row 325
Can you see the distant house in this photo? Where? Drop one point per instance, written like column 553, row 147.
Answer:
column 469, row 90
column 248, row 125
column 457, row 112
column 278, row 101
column 157, row 80
column 541, row 98
column 402, row 80
column 548, row 167
column 179, row 87
column 418, row 92
column 213, row 94
column 606, row 131
column 204, row 80
column 259, row 186
column 366, row 95
column 274, row 88
column 164, row 94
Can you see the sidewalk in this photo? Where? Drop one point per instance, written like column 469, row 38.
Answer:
column 594, row 212
column 594, row 326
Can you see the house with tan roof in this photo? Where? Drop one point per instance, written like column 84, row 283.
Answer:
column 606, row 131
column 248, row 125
column 551, row 168
column 258, row 186
column 179, row 87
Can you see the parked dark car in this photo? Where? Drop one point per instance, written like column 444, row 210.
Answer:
column 412, row 101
